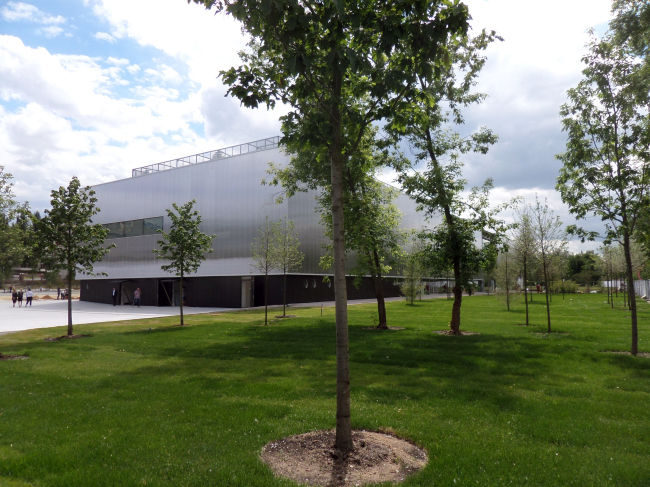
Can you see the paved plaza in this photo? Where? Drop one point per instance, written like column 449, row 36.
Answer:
column 51, row 313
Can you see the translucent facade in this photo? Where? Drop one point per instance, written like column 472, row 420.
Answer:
column 233, row 205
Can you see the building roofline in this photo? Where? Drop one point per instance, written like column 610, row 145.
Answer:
column 226, row 152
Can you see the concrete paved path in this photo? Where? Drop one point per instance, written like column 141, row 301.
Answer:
column 51, row 313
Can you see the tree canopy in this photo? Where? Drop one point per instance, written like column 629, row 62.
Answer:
column 438, row 190
column 606, row 165
column 339, row 67
column 185, row 245
column 68, row 238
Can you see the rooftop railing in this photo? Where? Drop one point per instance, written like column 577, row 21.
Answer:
column 235, row 150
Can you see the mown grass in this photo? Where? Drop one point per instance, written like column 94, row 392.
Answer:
column 146, row 403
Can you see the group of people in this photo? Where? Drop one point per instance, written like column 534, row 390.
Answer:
column 137, row 294
column 17, row 296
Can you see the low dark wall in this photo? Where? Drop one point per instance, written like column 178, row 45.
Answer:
column 225, row 292
column 218, row 292
column 100, row 291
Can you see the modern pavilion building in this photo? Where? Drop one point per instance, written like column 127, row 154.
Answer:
column 233, row 203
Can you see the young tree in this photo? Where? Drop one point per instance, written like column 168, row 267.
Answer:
column 339, row 66
column 506, row 277
column 438, row 190
column 185, row 245
column 69, row 241
column 551, row 242
column 12, row 242
column 373, row 239
column 606, row 166
column 265, row 258
column 607, row 252
column 288, row 257
column 456, row 246
column 412, row 285
column 524, row 246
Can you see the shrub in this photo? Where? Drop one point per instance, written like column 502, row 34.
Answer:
column 570, row 287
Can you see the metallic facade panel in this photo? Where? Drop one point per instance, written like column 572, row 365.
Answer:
column 233, row 205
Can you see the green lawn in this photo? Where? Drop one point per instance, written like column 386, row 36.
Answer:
column 145, row 403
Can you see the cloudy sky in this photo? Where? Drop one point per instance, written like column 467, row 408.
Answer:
column 94, row 88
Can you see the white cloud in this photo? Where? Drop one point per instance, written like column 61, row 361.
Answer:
column 103, row 36
column 118, row 61
column 204, row 41
column 134, row 68
column 16, row 11
column 164, row 74
column 51, row 31
column 71, row 123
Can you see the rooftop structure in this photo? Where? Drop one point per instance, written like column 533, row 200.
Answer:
column 214, row 155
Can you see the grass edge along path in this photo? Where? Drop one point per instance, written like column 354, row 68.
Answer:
column 146, row 403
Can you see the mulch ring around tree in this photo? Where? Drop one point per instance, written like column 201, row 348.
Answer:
column 452, row 334
column 618, row 352
column 312, row 459
column 56, row 339
column 270, row 323
column 392, row 328
column 545, row 333
column 13, row 357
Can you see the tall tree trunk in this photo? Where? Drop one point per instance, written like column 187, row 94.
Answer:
column 343, row 415
column 611, row 276
column 507, row 286
column 526, row 287
column 631, row 293
column 284, row 297
column 182, row 323
column 454, row 324
column 266, row 297
column 69, row 303
column 378, row 282
column 548, row 305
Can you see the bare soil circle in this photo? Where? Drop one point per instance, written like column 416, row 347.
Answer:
column 545, row 333
column 391, row 328
column 639, row 354
column 312, row 459
column 13, row 357
column 451, row 334
column 69, row 337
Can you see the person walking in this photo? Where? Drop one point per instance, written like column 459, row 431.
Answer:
column 20, row 298
column 136, row 297
column 114, row 296
column 29, row 295
column 14, row 297
column 58, row 293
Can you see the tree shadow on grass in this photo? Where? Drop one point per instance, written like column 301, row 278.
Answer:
column 413, row 365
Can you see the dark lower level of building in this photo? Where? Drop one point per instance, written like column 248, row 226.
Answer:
column 227, row 291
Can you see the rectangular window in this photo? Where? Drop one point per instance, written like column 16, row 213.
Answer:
column 152, row 225
column 133, row 228
column 115, row 230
